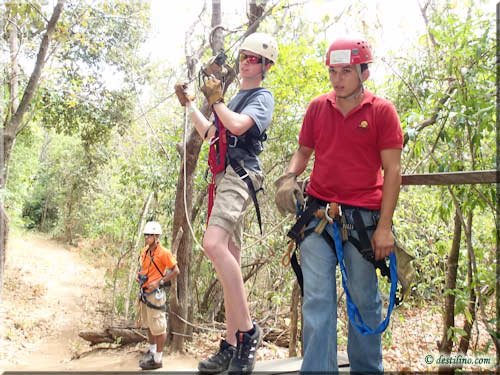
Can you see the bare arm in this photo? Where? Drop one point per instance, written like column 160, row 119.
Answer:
column 201, row 124
column 383, row 239
column 299, row 160
column 169, row 275
column 236, row 123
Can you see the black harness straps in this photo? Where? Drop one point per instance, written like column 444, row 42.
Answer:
column 297, row 234
column 253, row 145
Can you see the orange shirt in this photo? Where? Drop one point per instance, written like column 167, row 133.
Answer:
column 163, row 259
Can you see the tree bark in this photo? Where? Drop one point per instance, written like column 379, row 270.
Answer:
column 463, row 346
column 446, row 344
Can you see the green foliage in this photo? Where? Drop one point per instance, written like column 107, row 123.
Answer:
column 90, row 159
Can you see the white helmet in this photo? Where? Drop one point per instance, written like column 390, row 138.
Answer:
column 261, row 44
column 152, row 227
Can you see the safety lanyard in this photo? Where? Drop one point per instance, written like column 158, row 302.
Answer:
column 352, row 309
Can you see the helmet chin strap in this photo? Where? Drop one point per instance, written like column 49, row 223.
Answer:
column 263, row 67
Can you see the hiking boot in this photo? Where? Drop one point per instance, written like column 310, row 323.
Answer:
column 150, row 364
column 244, row 358
column 219, row 362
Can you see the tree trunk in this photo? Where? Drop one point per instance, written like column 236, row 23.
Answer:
column 13, row 122
column 180, row 292
column 4, row 229
column 180, row 297
column 463, row 346
column 446, row 343
column 132, row 270
column 13, row 119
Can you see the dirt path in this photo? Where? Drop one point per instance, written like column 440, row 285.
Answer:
column 50, row 294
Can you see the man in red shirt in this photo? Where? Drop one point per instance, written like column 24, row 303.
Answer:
column 354, row 135
column 157, row 268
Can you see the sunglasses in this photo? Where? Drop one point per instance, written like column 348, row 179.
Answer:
column 250, row 58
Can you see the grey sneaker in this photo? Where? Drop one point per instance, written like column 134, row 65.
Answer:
column 150, row 364
column 146, row 357
column 244, row 359
column 219, row 362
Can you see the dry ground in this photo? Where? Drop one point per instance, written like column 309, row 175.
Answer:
column 51, row 293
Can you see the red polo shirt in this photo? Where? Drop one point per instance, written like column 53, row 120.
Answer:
column 347, row 163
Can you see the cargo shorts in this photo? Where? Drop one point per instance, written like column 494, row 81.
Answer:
column 153, row 319
column 231, row 200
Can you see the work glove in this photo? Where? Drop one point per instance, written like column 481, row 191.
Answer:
column 181, row 92
column 405, row 269
column 212, row 89
column 288, row 194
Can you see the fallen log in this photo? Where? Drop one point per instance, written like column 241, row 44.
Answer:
column 118, row 335
column 127, row 336
column 279, row 337
column 96, row 337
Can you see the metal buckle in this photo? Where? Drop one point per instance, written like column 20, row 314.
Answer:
column 229, row 144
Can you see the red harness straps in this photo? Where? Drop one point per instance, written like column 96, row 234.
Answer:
column 216, row 160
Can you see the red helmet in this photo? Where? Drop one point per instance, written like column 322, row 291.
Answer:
column 348, row 52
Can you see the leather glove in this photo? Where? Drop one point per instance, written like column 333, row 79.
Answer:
column 181, row 92
column 212, row 89
column 405, row 269
column 288, row 194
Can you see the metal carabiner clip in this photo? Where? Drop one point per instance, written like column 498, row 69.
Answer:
column 327, row 217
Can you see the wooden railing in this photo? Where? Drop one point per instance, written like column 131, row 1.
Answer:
column 452, row 178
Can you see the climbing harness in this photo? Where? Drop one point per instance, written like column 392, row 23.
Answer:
column 142, row 280
column 219, row 155
column 343, row 220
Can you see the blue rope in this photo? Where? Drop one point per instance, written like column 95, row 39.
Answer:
column 352, row 309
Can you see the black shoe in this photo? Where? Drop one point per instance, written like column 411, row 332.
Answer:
column 246, row 348
column 150, row 364
column 219, row 362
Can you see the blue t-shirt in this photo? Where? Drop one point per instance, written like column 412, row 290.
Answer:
column 259, row 107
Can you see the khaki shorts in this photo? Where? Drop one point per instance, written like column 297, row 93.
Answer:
column 231, row 200
column 153, row 319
